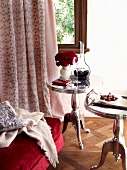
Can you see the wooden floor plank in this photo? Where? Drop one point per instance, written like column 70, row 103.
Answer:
column 73, row 158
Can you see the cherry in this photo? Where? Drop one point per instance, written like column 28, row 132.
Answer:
column 108, row 97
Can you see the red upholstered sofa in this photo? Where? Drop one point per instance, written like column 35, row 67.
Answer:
column 24, row 152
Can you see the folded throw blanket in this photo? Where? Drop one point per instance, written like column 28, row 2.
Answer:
column 36, row 127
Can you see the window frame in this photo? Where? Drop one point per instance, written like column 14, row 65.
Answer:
column 80, row 20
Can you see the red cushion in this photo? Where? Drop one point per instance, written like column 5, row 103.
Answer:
column 25, row 154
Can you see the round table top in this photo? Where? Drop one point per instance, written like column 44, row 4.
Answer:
column 95, row 81
column 115, row 110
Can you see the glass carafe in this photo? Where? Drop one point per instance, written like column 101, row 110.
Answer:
column 82, row 70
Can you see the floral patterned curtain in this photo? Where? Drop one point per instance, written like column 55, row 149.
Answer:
column 23, row 54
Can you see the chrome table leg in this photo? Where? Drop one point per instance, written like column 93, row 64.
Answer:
column 116, row 145
column 76, row 118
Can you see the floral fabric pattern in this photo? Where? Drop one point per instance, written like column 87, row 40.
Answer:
column 23, row 68
column 8, row 118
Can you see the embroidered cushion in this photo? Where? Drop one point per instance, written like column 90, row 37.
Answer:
column 8, row 118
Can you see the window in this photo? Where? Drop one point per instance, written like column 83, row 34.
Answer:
column 80, row 27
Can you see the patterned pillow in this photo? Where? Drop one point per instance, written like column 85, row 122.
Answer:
column 8, row 118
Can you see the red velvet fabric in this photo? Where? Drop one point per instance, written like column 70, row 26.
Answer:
column 25, row 154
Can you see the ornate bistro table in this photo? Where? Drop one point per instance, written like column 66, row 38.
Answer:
column 75, row 116
column 117, row 144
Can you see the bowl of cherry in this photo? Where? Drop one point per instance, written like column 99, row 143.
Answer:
column 109, row 97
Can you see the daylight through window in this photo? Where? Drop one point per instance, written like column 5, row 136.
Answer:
column 64, row 21
column 71, row 24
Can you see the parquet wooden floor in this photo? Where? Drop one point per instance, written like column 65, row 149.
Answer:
column 73, row 158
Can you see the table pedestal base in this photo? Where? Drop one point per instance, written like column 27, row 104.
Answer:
column 76, row 123
column 76, row 118
column 116, row 145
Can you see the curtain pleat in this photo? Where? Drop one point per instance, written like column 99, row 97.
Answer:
column 23, row 54
column 56, row 98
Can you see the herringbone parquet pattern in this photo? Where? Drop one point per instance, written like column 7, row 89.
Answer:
column 73, row 158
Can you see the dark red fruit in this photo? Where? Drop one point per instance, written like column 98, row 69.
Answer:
column 108, row 97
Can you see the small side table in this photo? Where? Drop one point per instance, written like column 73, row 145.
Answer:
column 75, row 116
column 117, row 144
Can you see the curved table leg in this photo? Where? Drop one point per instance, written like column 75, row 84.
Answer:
column 116, row 145
column 76, row 123
column 65, row 123
column 107, row 147
column 122, row 151
column 82, row 122
column 76, row 118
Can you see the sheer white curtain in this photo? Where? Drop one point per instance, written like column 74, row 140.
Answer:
column 51, row 50
column 107, row 40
